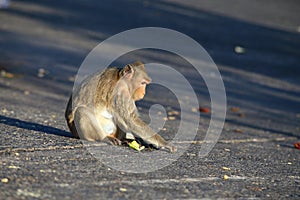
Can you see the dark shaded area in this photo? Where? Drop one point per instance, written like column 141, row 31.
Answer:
column 33, row 126
column 264, row 128
column 270, row 51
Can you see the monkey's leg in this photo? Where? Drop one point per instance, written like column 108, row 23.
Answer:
column 87, row 125
column 73, row 129
column 113, row 136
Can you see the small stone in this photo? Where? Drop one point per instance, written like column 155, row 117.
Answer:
column 239, row 50
column 13, row 167
column 41, row 73
column 71, row 78
column 194, row 110
column 226, row 168
column 123, row 189
column 186, row 191
column 289, row 163
column 4, row 180
column 17, row 154
column 225, row 177
column 26, row 92
column 171, row 118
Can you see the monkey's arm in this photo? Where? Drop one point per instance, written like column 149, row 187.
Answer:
column 128, row 120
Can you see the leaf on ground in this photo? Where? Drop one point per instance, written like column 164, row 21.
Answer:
column 297, row 145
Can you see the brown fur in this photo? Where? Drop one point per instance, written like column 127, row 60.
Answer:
column 109, row 111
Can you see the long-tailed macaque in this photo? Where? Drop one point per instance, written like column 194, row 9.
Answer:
column 109, row 112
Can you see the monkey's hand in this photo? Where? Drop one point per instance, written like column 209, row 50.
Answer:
column 170, row 147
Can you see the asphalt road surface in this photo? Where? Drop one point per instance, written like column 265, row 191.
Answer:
column 256, row 46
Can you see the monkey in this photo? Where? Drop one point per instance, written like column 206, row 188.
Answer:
column 102, row 107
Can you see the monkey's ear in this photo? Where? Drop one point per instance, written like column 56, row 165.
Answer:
column 139, row 64
column 127, row 71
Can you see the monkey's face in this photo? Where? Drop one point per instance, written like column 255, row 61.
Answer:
column 140, row 92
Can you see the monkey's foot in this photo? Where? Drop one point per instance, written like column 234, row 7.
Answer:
column 111, row 139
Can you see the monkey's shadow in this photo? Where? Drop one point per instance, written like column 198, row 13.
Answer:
column 33, row 126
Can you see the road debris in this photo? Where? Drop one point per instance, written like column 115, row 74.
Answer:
column 4, row 180
column 226, row 168
column 297, row 145
column 204, row 110
column 225, row 177
column 239, row 50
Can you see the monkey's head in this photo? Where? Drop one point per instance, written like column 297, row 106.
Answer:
column 137, row 79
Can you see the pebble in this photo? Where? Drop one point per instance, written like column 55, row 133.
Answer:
column 225, row 177
column 186, row 191
column 71, row 78
column 4, row 180
column 13, row 167
column 41, row 73
column 171, row 118
column 191, row 154
column 123, row 189
column 239, row 50
column 194, row 110
column 26, row 92
column 226, row 168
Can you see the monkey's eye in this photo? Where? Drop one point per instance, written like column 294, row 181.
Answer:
column 144, row 83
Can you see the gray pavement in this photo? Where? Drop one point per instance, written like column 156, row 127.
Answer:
column 42, row 45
